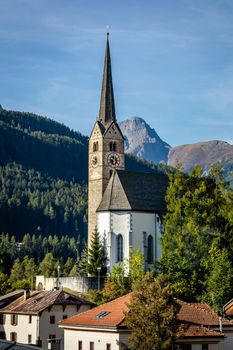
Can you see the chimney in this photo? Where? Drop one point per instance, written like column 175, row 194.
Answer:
column 26, row 294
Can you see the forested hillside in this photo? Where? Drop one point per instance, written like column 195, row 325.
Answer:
column 43, row 176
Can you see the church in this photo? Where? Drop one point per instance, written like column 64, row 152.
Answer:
column 125, row 207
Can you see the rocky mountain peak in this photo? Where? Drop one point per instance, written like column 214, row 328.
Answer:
column 143, row 141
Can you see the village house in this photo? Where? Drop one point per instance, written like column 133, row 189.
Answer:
column 33, row 317
column 103, row 328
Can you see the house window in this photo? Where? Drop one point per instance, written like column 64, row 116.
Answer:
column 14, row 320
column 205, row 347
column 108, row 346
column 52, row 319
column 2, row 319
column 182, row 347
column 29, row 338
column 30, row 319
column 80, row 345
column 119, row 248
column 95, row 146
column 13, row 336
column 2, row 335
column 150, row 250
column 52, row 336
column 91, row 345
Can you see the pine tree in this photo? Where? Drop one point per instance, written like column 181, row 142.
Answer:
column 96, row 256
column 152, row 315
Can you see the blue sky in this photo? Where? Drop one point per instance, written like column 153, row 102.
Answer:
column 172, row 63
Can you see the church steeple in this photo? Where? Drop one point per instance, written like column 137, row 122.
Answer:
column 107, row 106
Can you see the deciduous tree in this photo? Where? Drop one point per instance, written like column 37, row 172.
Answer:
column 152, row 315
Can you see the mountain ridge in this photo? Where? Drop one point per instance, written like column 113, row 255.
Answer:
column 143, row 141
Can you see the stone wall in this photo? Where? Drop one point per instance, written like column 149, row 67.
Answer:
column 78, row 284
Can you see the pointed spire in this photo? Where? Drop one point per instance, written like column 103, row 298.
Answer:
column 107, row 106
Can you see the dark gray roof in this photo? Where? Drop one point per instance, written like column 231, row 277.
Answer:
column 107, row 106
column 38, row 301
column 5, row 345
column 135, row 191
column 9, row 297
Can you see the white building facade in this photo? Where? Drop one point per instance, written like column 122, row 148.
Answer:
column 130, row 216
column 34, row 319
column 121, row 231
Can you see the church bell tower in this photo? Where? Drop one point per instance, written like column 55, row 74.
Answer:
column 106, row 146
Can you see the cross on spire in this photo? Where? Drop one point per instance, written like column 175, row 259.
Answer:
column 107, row 106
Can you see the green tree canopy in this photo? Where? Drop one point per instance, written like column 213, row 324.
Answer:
column 152, row 315
column 197, row 213
column 96, row 256
column 48, row 266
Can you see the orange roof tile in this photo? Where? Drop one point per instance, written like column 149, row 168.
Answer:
column 114, row 318
column 198, row 313
column 193, row 313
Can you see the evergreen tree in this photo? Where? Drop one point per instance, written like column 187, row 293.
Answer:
column 48, row 266
column 152, row 315
column 67, row 268
column 17, row 271
column 82, row 262
column 96, row 256
column 4, row 283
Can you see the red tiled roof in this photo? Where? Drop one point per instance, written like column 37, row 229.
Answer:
column 192, row 313
column 200, row 331
column 41, row 300
column 229, row 308
column 198, row 313
column 114, row 318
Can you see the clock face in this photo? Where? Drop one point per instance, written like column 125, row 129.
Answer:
column 113, row 160
column 95, row 159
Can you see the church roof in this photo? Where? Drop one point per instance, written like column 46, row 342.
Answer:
column 107, row 106
column 135, row 191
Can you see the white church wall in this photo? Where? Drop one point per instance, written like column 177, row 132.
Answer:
column 143, row 225
column 158, row 233
column 110, row 225
column 135, row 227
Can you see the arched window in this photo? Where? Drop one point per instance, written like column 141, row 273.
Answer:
column 110, row 146
column 119, row 248
column 95, row 146
column 114, row 146
column 150, row 250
